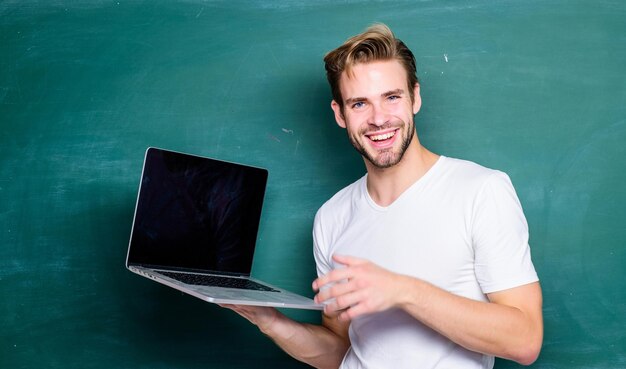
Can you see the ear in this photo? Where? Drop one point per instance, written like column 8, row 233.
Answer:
column 338, row 114
column 417, row 99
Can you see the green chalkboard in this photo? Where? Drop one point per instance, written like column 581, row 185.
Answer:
column 534, row 88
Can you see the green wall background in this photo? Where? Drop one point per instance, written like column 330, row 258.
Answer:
column 534, row 88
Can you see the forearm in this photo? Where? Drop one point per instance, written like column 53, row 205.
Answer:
column 315, row 345
column 487, row 327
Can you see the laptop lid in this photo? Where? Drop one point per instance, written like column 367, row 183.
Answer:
column 196, row 214
column 201, row 215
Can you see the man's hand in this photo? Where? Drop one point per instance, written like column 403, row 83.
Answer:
column 509, row 325
column 361, row 287
column 319, row 346
column 261, row 316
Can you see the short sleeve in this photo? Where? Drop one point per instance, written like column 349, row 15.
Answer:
column 500, row 237
column 320, row 247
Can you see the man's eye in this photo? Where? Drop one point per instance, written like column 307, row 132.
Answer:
column 358, row 105
column 393, row 97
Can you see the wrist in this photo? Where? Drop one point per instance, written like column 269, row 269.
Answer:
column 270, row 326
column 410, row 292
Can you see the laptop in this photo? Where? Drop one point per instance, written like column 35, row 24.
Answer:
column 195, row 229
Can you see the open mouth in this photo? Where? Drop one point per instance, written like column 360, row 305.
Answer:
column 383, row 139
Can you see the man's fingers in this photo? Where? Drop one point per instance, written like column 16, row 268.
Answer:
column 343, row 302
column 334, row 290
column 334, row 276
column 352, row 312
column 348, row 260
column 339, row 274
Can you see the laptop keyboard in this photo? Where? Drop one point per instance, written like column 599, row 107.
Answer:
column 212, row 280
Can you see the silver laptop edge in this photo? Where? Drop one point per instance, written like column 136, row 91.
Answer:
column 218, row 295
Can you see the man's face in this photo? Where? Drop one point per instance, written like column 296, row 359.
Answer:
column 378, row 111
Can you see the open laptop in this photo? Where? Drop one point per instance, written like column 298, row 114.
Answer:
column 195, row 228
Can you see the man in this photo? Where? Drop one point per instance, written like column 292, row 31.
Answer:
column 424, row 262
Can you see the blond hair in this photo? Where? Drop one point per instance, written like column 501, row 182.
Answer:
column 377, row 43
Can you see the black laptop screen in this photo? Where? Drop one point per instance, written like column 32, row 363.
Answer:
column 197, row 213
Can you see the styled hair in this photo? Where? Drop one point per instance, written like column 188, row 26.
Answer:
column 377, row 43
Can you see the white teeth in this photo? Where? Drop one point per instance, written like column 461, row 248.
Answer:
column 383, row 136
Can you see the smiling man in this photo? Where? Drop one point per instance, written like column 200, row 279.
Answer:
column 423, row 262
column 381, row 141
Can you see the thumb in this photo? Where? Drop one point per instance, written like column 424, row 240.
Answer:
column 348, row 260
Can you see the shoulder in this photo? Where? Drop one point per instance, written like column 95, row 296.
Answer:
column 470, row 175
column 342, row 202
column 467, row 169
column 331, row 218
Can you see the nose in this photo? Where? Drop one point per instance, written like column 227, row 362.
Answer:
column 379, row 116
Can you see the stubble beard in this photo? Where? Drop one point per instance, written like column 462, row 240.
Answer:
column 385, row 158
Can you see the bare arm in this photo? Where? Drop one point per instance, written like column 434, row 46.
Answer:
column 510, row 325
column 321, row 346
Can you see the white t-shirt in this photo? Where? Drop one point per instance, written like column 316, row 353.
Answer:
column 459, row 227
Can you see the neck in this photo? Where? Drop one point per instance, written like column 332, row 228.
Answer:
column 385, row 185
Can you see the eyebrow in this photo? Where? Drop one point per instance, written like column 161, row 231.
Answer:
column 353, row 100
column 397, row 91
